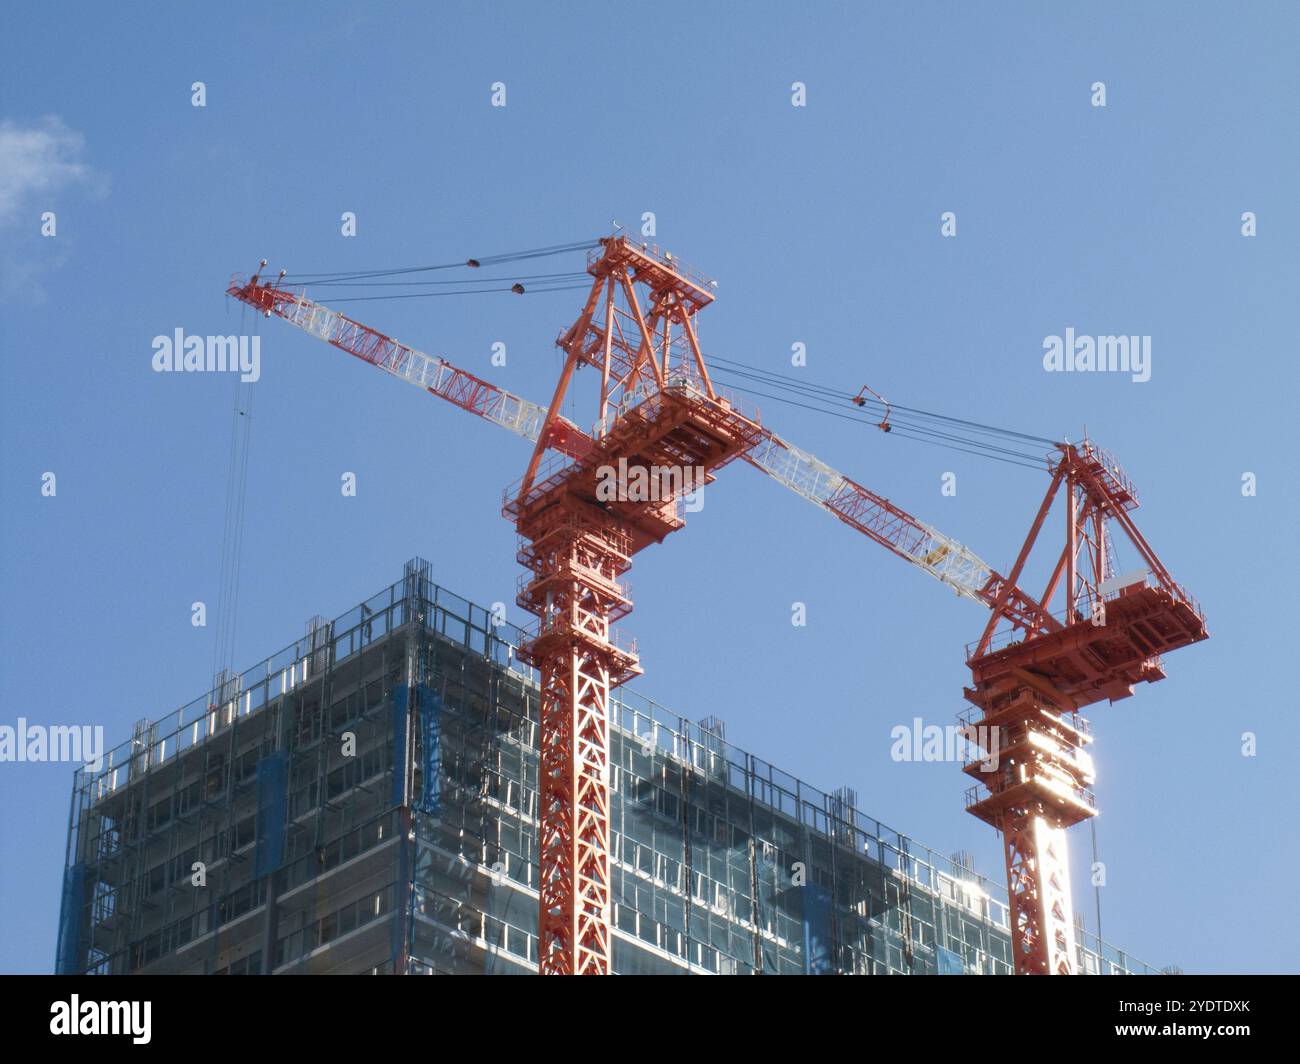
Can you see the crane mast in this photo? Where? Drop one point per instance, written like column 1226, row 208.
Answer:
column 659, row 414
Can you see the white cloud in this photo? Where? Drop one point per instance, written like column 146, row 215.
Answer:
column 37, row 162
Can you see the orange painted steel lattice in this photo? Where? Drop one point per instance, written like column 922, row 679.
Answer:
column 1110, row 637
column 1037, row 787
column 659, row 416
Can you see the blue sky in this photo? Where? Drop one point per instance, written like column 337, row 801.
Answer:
column 821, row 224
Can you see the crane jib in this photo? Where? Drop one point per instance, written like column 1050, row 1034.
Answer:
column 435, row 375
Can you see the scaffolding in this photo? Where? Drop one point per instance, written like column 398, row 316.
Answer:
column 366, row 801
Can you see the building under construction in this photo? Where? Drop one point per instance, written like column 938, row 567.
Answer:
column 366, row 801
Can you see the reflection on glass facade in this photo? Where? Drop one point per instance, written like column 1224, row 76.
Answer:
column 364, row 801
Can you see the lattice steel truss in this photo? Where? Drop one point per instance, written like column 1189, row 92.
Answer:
column 657, row 413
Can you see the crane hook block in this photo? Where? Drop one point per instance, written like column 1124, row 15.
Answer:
column 861, row 400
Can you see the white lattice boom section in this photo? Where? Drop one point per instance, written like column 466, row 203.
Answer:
column 435, row 375
column 943, row 558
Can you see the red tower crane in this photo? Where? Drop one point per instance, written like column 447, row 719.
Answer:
column 1032, row 669
column 581, row 516
column 580, row 522
column 1108, row 637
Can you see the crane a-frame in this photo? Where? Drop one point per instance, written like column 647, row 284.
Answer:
column 657, row 409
